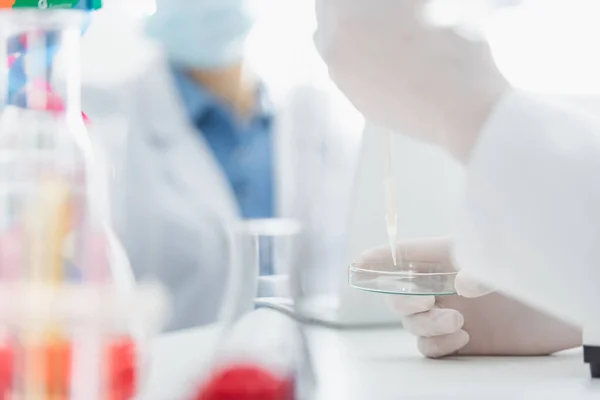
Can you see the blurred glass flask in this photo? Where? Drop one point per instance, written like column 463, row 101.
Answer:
column 261, row 345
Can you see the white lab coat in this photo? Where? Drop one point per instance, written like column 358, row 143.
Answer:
column 177, row 200
column 531, row 222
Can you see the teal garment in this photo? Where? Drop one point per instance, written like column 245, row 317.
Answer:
column 244, row 151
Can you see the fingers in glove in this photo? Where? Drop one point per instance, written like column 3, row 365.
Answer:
column 425, row 250
column 469, row 287
column 435, row 322
column 442, row 346
column 409, row 305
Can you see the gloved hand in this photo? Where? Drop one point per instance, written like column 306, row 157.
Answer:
column 477, row 321
column 405, row 75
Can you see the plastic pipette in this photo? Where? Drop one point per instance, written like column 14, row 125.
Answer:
column 391, row 217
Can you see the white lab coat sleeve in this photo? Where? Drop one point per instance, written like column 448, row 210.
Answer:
column 531, row 223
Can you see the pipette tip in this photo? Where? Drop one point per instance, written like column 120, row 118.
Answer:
column 392, row 240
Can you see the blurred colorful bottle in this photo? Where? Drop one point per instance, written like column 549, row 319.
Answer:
column 68, row 336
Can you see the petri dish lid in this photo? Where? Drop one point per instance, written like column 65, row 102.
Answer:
column 406, row 278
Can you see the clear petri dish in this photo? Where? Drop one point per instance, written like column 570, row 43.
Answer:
column 415, row 278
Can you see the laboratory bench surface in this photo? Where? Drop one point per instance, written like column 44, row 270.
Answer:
column 385, row 365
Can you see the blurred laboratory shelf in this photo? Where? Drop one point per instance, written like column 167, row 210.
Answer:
column 384, row 365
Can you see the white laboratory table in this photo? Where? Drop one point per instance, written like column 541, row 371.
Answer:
column 386, row 365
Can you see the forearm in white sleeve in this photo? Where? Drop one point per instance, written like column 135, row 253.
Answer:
column 531, row 224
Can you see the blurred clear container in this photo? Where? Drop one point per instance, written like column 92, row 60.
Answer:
column 405, row 278
column 263, row 254
column 73, row 322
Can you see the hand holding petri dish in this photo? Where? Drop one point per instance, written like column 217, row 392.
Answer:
column 422, row 268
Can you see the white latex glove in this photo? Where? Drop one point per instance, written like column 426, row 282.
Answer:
column 492, row 324
column 402, row 73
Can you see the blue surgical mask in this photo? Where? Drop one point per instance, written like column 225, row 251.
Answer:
column 202, row 33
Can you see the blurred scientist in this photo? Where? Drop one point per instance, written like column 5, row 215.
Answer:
column 530, row 225
column 207, row 147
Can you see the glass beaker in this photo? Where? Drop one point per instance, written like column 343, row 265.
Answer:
column 258, row 345
column 74, row 321
column 263, row 254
